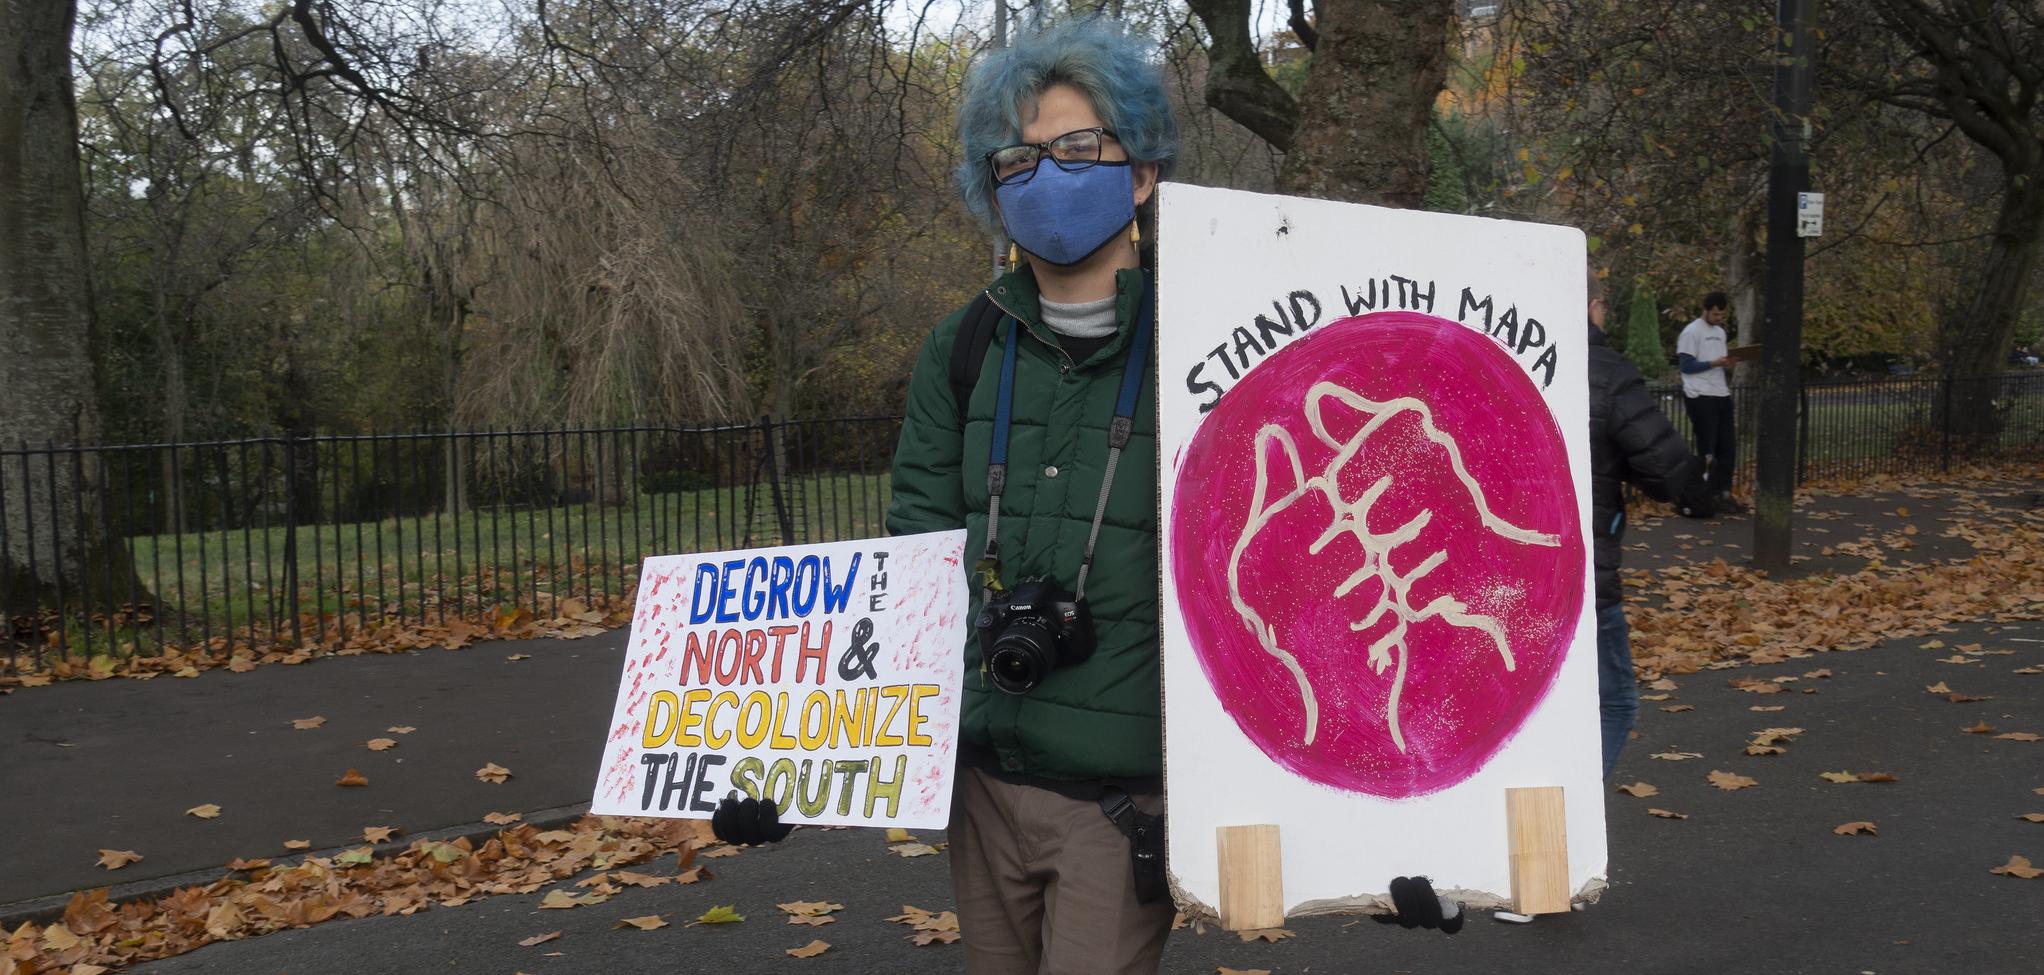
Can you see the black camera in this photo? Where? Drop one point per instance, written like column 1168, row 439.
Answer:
column 1030, row 630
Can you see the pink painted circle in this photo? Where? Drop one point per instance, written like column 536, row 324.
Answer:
column 1376, row 547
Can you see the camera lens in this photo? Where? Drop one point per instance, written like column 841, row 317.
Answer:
column 1023, row 654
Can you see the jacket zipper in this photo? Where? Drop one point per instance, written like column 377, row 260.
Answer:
column 1062, row 354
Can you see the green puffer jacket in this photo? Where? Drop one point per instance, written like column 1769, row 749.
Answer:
column 1100, row 719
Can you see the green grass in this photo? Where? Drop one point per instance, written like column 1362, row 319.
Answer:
column 419, row 567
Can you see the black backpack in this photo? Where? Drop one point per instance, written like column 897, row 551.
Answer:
column 969, row 349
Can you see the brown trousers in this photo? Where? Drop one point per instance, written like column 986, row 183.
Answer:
column 1044, row 883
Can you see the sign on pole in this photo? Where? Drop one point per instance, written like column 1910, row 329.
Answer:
column 824, row 677
column 1809, row 214
column 1377, row 595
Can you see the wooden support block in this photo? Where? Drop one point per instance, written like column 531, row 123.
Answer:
column 1539, row 848
column 1252, row 878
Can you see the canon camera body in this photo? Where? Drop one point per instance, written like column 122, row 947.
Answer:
column 1030, row 630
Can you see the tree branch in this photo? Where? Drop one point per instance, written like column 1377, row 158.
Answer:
column 1237, row 84
column 1301, row 28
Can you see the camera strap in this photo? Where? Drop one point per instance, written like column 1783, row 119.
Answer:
column 1117, row 438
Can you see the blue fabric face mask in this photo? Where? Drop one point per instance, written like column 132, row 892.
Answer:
column 1064, row 217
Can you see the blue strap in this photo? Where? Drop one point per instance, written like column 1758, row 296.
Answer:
column 1117, row 435
column 1004, row 402
column 1138, row 356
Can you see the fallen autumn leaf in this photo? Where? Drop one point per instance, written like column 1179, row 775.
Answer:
column 1730, row 781
column 116, row 859
column 352, row 778
column 2018, row 867
column 382, row 744
column 810, row 950
column 493, row 773
column 378, row 834
column 1638, row 790
column 1666, row 814
column 649, row 922
column 307, row 724
column 1855, row 829
column 207, row 811
column 810, row 908
column 1272, row 935
column 558, row 900
column 539, row 939
column 722, row 914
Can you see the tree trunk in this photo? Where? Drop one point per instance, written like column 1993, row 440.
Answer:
column 1362, row 125
column 1975, row 343
column 176, row 400
column 1746, row 272
column 46, row 323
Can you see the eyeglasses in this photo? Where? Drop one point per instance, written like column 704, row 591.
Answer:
column 1072, row 152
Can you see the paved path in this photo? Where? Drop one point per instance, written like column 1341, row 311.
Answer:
column 1753, row 881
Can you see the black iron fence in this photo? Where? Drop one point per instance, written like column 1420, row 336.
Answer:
column 278, row 544
column 275, row 544
column 1854, row 430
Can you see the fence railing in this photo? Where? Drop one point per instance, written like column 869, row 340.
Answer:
column 276, row 544
column 1851, row 430
column 281, row 543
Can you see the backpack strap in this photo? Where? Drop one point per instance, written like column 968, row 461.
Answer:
column 969, row 350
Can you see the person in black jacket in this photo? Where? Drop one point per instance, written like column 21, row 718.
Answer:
column 1630, row 440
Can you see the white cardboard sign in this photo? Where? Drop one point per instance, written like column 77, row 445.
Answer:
column 822, row 676
column 1378, row 602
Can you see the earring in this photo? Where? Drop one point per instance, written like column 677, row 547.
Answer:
column 1014, row 254
column 1135, row 233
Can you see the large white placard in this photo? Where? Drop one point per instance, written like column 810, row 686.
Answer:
column 822, row 676
column 1378, row 603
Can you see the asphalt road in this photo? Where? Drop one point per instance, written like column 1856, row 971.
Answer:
column 1753, row 881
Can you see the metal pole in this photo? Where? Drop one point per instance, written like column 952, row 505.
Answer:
column 1781, row 360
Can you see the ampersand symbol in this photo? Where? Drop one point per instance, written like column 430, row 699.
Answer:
column 858, row 659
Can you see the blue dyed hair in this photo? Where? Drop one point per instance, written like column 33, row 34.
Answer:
column 1096, row 56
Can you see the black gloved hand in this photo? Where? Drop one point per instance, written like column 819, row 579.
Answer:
column 1419, row 907
column 748, row 822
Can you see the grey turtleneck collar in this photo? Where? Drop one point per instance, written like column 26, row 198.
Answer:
column 1080, row 319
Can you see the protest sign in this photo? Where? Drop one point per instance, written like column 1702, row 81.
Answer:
column 824, row 677
column 1374, row 431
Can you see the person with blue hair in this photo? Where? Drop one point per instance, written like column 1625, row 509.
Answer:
column 1031, row 422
